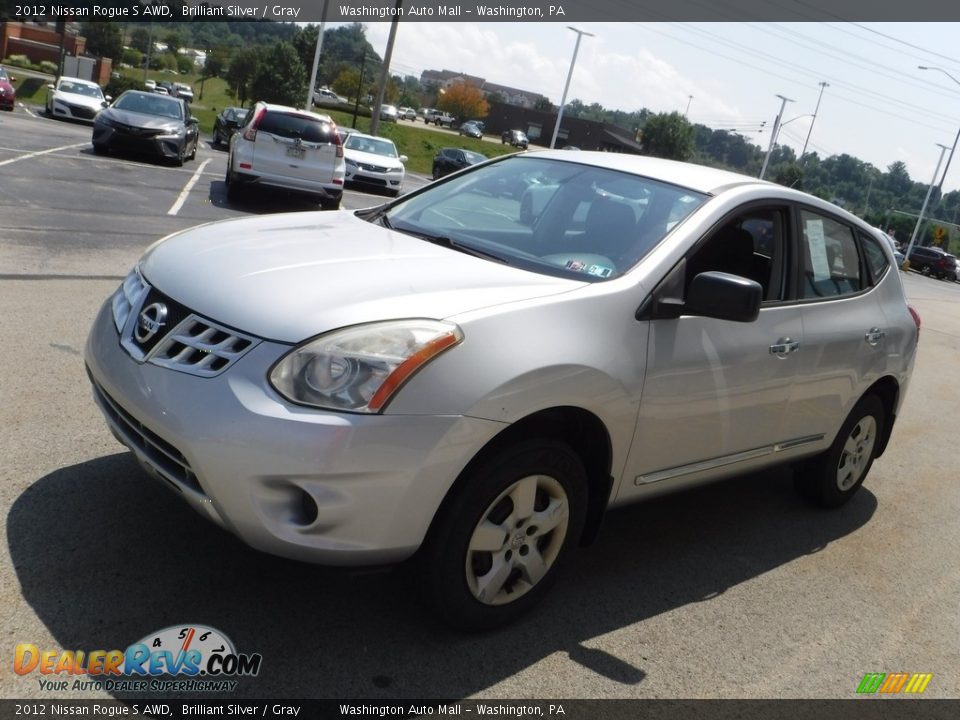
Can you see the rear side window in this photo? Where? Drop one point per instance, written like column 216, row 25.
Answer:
column 290, row 126
column 875, row 256
column 831, row 263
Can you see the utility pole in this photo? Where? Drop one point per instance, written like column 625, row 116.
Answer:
column 773, row 135
column 566, row 87
column 916, row 229
column 356, row 105
column 385, row 71
column 316, row 55
column 689, row 100
column 803, row 152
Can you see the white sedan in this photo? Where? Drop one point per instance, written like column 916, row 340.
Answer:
column 75, row 99
column 373, row 162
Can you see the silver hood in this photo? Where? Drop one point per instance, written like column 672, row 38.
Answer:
column 288, row 277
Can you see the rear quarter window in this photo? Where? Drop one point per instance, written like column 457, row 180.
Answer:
column 876, row 258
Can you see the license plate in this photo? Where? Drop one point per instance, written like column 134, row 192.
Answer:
column 297, row 152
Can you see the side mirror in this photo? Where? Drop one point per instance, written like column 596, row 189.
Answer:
column 403, row 158
column 50, row 86
column 108, row 98
column 723, row 296
column 192, row 121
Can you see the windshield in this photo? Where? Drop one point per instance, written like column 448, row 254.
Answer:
column 473, row 158
column 81, row 89
column 373, row 145
column 149, row 104
column 550, row 216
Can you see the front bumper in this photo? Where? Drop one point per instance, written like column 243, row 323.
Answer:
column 164, row 146
column 334, row 488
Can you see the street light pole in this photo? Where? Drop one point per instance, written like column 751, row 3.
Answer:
column 566, row 87
column 944, row 176
column 773, row 135
column 690, row 100
column 926, row 200
column 803, row 152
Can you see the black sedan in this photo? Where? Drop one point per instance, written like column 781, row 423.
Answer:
column 450, row 160
column 148, row 123
column 227, row 123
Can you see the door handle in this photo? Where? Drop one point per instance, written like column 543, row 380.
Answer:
column 874, row 336
column 784, row 347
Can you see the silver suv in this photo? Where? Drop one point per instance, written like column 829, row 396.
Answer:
column 470, row 381
column 290, row 149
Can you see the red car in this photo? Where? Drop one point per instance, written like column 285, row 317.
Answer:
column 7, row 93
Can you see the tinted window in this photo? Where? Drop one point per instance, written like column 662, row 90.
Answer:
column 287, row 125
column 750, row 245
column 875, row 256
column 149, row 104
column 829, row 258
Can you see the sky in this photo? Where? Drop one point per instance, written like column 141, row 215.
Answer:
column 878, row 106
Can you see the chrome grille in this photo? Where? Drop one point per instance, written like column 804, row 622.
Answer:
column 200, row 347
column 372, row 168
column 188, row 342
column 161, row 455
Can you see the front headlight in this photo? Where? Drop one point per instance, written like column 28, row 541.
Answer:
column 360, row 368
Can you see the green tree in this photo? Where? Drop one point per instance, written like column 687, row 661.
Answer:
column 104, row 39
column 789, row 175
column 139, row 38
column 668, row 135
column 347, row 82
column 185, row 65
column 243, row 69
column 132, row 56
column 174, row 42
column 281, row 77
column 543, row 104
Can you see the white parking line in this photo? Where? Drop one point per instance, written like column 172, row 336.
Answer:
column 26, row 110
column 182, row 198
column 42, row 152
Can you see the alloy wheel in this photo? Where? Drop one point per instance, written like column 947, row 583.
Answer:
column 857, row 452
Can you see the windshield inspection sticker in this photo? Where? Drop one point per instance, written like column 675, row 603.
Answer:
column 599, row 271
column 578, row 265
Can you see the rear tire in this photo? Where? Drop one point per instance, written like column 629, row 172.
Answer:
column 832, row 478
column 329, row 203
column 501, row 537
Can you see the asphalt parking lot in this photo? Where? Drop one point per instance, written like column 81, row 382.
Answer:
column 735, row 590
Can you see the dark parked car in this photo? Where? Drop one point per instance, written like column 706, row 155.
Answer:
column 934, row 261
column 450, row 160
column 148, row 123
column 471, row 129
column 517, row 138
column 227, row 123
column 7, row 93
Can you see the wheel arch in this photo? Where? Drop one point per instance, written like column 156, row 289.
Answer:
column 887, row 389
column 580, row 429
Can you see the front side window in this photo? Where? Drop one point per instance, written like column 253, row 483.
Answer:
column 555, row 217
column 752, row 245
column 830, row 263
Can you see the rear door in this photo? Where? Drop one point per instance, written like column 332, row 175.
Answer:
column 845, row 331
column 296, row 146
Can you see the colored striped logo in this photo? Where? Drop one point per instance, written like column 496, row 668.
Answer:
column 893, row 683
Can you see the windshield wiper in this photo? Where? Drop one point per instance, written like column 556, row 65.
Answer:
column 448, row 242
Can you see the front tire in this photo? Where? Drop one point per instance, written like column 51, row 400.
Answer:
column 832, row 478
column 507, row 528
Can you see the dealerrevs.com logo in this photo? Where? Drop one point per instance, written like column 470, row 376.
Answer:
column 894, row 683
column 199, row 658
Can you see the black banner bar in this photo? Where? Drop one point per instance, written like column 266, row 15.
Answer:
column 562, row 11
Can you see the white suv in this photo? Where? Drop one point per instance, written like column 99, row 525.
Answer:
column 287, row 148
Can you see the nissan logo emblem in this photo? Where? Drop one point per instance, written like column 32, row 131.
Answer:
column 151, row 319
